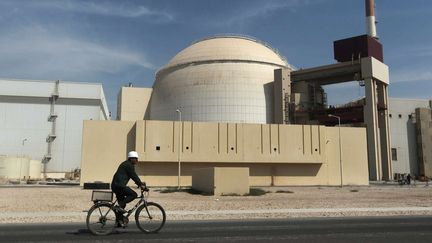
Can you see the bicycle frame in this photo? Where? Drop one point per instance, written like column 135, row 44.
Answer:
column 141, row 201
column 131, row 211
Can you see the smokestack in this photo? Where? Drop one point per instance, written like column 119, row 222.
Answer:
column 370, row 19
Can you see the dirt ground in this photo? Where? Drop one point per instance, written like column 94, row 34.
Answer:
column 67, row 204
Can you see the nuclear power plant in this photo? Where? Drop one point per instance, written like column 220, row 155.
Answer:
column 231, row 107
column 233, row 101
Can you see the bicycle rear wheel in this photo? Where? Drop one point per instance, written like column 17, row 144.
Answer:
column 150, row 219
column 101, row 219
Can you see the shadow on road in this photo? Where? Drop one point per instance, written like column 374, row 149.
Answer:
column 85, row 232
column 79, row 232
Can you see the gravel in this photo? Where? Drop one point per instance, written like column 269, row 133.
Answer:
column 29, row 204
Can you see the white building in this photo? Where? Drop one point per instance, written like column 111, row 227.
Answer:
column 44, row 119
column 218, row 79
column 403, row 134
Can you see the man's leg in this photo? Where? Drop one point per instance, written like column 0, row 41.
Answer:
column 120, row 194
column 125, row 195
column 120, row 197
column 129, row 194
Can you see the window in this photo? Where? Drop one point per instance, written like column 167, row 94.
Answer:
column 400, row 116
column 390, row 115
column 394, row 154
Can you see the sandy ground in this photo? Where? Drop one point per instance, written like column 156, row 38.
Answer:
column 66, row 204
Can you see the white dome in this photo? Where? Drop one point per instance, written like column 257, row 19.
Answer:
column 219, row 79
column 227, row 48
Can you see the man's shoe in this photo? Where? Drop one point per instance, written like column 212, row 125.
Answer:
column 122, row 223
column 119, row 209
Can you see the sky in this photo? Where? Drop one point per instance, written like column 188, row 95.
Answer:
column 117, row 42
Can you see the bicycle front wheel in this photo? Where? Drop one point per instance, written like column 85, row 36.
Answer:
column 101, row 219
column 150, row 218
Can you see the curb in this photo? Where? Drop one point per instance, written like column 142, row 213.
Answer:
column 236, row 212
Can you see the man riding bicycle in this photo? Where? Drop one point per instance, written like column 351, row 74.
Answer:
column 125, row 172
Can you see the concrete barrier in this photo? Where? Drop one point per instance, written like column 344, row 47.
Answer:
column 221, row 180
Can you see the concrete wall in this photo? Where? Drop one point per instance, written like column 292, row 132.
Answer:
column 221, row 181
column 229, row 142
column 24, row 111
column 424, row 140
column 132, row 103
column 275, row 154
column 104, row 147
column 403, row 134
column 231, row 181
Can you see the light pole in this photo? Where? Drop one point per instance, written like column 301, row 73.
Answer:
column 340, row 148
column 22, row 157
column 179, row 148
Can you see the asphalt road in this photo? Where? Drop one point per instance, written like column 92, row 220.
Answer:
column 359, row 229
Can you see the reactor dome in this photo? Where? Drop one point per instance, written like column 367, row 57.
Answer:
column 218, row 79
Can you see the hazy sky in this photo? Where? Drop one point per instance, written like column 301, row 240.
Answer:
column 117, row 42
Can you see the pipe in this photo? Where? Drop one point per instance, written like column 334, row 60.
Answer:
column 370, row 18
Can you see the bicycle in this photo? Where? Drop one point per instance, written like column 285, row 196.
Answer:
column 101, row 217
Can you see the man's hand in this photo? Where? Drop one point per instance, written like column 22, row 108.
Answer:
column 143, row 186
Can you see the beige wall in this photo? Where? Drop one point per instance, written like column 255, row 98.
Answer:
column 221, row 180
column 230, row 142
column 354, row 156
column 275, row 154
column 104, row 147
column 132, row 103
column 231, row 181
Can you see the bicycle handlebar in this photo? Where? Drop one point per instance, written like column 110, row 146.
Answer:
column 145, row 189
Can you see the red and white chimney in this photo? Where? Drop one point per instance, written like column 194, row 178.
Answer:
column 370, row 18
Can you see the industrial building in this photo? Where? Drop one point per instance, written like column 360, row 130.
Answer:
column 234, row 101
column 42, row 120
column 239, row 103
column 224, row 101
column 410, row 123
column 232, row 97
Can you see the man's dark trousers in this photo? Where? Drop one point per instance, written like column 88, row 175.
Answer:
column 124, row 195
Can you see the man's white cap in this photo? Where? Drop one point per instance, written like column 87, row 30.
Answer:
column 133, row 154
